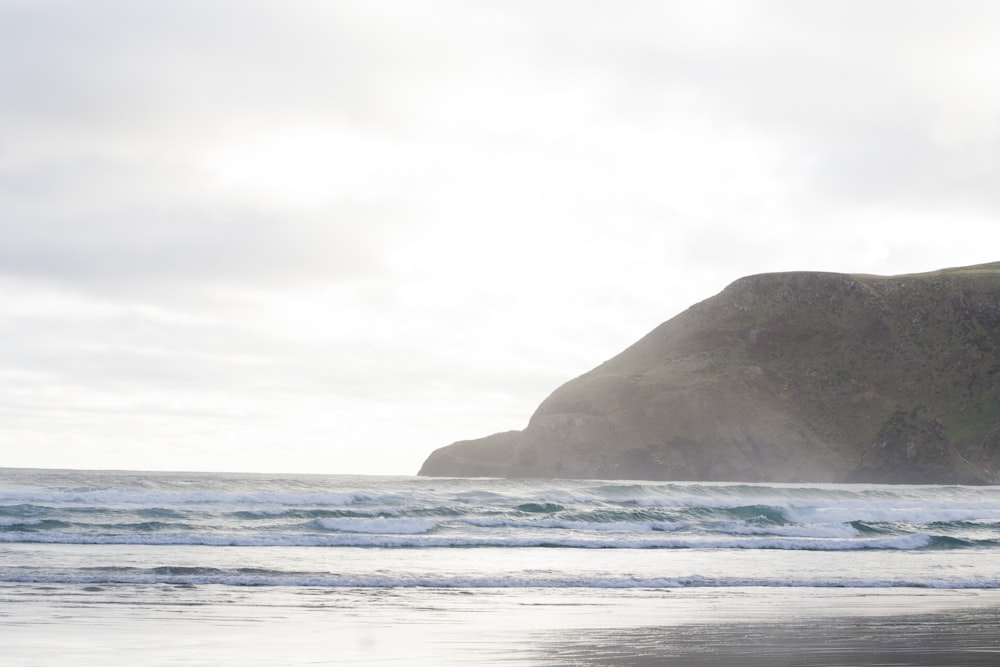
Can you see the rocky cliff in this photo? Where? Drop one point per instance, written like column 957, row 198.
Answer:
column 782, row 377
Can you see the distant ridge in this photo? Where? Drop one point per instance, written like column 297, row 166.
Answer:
column 782, row 377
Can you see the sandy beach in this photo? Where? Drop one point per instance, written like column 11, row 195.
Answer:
column 58, row 625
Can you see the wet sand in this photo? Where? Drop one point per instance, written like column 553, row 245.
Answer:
column 49, row 625
column 953, row 638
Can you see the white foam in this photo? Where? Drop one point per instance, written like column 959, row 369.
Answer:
column 122, row 497
column 564, row 524
column 8, row 523
column 566, row 540
column 379, row 525
column 512, row 580
column 914, row 512
column 814, row 530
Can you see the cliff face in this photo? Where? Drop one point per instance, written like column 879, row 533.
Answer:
column 782, row 377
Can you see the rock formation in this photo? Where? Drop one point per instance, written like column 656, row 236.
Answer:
column 782, row 377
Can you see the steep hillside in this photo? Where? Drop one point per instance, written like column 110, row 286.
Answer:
column 782, row 377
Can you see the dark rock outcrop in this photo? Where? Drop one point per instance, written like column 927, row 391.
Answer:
column 782, row 377
column 911, row 447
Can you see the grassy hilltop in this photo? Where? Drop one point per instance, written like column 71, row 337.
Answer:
column 782, row 377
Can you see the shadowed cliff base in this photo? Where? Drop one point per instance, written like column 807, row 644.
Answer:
column 782, row 377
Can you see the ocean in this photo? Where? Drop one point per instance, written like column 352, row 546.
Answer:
column 156, row 568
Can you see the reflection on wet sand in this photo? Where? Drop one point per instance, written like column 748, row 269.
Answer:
column 956, row 638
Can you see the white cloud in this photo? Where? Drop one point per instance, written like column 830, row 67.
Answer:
column 332, row 236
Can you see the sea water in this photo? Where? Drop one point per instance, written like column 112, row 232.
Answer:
column 205, row 568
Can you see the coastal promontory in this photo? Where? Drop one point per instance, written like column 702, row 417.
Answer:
column 782, row 377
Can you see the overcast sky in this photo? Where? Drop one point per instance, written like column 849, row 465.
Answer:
column 333, row 236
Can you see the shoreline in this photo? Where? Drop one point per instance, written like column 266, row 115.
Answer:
column 156, row 625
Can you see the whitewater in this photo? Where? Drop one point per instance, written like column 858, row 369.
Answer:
column 496, row 557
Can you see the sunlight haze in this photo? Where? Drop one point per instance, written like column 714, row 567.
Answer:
column 331, row 237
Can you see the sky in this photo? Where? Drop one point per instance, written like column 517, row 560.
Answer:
column 330, row 237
